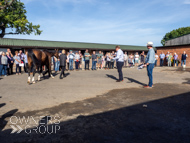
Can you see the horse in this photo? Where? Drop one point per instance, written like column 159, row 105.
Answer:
column 37, row 59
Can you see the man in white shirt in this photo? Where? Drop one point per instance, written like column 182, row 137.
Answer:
column 120, row 61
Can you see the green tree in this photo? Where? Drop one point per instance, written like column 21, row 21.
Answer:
column 175, row 33
column 5, row 3
column 13, row 17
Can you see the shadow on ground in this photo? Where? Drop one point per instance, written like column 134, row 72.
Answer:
column 135, row 81
column 188, row 81
column 165, row 119
column 179, row 70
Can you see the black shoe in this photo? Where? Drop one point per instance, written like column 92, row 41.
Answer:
column 64, row 75
column 60, row 78
column 119, row 80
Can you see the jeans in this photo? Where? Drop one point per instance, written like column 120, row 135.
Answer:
column 24, row 66
column 112, row 65
column 76, row 65
column 169, row 63
column 107, row 64
column 70, row 64
column 149, row 72
column 86, row 64
column 119, row 69
column 1, row 67
column 67, row 66
column 155, row 64
column 183, row 61
column 57, row 64
column 94, row 65
column 5, row 69
column 10, row 69
column 176, row 62
column 161, row 62
column 17, row 67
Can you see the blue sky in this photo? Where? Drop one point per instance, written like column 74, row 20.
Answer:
column 125, row 22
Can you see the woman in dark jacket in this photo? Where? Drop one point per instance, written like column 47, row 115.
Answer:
column 10, row 63
column 63, row 59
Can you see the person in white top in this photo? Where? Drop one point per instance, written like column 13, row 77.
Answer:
column 136, row 59
column 125, row 59
column 156, row 59
column 120, row 61
column 77, row 60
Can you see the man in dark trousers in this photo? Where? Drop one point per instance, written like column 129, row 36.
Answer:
column 149, row 63
column 63, row 59
column 120, row 61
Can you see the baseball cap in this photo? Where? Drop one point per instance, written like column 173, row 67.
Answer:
column 150, row 44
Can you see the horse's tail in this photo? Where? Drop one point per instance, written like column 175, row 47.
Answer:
column 33, row 57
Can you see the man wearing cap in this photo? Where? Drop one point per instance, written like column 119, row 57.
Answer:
column 149, row 63
column 120, row 61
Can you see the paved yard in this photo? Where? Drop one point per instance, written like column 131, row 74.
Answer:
column 94, row 108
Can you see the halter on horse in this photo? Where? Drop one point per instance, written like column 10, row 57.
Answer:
column 37, row 59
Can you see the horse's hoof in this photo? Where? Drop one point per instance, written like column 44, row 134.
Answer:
column 33, row 82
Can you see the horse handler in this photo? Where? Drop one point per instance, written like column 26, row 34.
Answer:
column 120, row 61
column 149, row 63
column 63, row 58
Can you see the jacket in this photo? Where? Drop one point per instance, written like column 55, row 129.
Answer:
column 63, row 59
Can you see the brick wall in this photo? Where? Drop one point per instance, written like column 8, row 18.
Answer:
column 175, row 49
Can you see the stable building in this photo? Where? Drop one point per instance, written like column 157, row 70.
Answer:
column 22, row 44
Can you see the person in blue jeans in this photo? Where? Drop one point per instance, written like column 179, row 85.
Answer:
column 149, row 63
column 57, row 64
column 94, row 60
column 162, row 57
column 71, row 57
column 183, row 59
column 4, row 63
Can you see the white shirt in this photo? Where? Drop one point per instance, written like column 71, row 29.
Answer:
column 77, row 57
column 119, row 56
column 125, row 57
column 136, row 57
column 156, row 57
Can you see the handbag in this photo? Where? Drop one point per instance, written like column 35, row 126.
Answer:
column 21, row 64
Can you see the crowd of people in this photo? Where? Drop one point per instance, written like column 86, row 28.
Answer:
column 172, row 59
column 79, row 61
column 7, row 60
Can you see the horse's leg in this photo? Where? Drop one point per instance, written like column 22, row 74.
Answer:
column 34, row 71
column 29, row 69
column 38, row 74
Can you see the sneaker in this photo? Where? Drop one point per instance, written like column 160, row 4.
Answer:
column 147, row 86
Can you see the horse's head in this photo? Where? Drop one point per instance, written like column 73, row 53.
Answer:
column 56, row 54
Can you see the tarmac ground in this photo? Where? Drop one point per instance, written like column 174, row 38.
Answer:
column 90, row 107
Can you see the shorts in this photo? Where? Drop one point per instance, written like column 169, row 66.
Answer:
column 99, row 61
column 136, row 61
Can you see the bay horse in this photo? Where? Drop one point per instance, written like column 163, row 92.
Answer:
column 37, row 59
